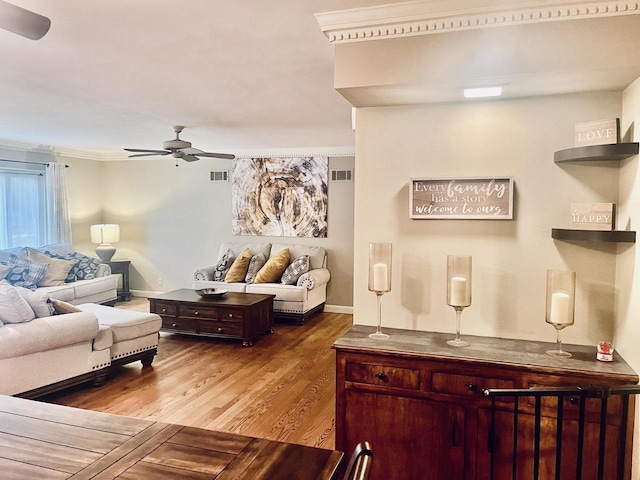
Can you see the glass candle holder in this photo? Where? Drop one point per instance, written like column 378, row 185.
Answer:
column 379, row 279
column 560, row 305
column 458, row 290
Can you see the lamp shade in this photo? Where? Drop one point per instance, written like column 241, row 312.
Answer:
column 105, row 233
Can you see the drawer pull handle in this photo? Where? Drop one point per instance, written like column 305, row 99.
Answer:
column 174, row 325
column 195, row 313
column 573, row 400
column 164, row 310
column 219, row 330
column 231, row 315
column 381, row 376
column 472, row 387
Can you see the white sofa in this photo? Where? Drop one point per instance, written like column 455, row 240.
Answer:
column 100, row 288
column 292, row 302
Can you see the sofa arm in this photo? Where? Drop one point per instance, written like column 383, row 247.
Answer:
column 314, row 278
column 103, row 270
column 204, row 273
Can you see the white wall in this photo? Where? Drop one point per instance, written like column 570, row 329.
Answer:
column 499, row 138
column 627, row 327
column 173, row 220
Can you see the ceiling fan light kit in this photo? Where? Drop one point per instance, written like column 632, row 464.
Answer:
column 23, row 22
column 178, row 148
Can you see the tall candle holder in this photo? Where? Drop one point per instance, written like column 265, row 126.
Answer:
column 379, row 279
column 458, row 290
column 560, row 305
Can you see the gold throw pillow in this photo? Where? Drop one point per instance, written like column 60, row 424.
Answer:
column 63, row 307
column 273, row 269
column 238, row 269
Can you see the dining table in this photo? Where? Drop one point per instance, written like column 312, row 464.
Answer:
column 48, row 441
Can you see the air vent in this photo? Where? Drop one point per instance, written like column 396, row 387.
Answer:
column 220, row 176
column 341, row 175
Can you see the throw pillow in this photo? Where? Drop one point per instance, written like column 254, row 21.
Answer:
column 238, row 269
column 26, row 273
column 256, row 263
column 38, row 301
column 58, row 269
column 4, row 270
column 61, row 307
column 272, row 270
column 223, row 266
column 13, row 308
column 85, row 268
column 292, row 273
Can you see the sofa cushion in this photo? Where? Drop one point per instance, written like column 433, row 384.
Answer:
column 38, row 301
column 63, row 292
column 60, row 307
column 290, row 293
column 86, row 288
column 26, row 273
column 13, row 308
column 223, row 266
column 273, row 269
column 296, row 268
column 104, row 338
column 124, row 324
column 58, row 269
column 255, row 264
column 47, row 333
column 238, row 269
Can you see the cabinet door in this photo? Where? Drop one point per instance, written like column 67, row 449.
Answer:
column 410, row 438
column 503, row 446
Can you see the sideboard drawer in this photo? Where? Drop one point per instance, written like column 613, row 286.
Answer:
column 182, row 324
column 220, row 328
column 230, row 315
column 383, row 375
column 198, row 312
column 168, row 309
column 465, row 385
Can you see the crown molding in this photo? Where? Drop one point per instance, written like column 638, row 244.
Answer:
column 419, row 18
column 12, row 145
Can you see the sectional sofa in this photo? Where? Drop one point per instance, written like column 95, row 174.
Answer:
column 300, row 289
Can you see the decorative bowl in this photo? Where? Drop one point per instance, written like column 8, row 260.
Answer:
column 211, row 292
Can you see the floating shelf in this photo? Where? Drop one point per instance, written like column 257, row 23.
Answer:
column 613, row 151
column 594, row 235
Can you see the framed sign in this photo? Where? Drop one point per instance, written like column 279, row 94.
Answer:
column 478, row 198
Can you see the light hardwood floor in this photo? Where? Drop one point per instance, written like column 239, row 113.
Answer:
column 281, row 388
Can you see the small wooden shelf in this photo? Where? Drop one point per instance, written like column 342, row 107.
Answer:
column 613, row 151
column 594, row 235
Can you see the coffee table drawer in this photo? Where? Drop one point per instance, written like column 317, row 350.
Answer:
column 168, row 309
column 221, row 328
column 198, row 312
column 230, row 315
column 182, row 324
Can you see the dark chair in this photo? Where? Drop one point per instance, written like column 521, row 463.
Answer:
column 360, row 462
column 548, row 441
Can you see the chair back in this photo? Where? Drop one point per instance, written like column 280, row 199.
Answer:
column 359, row 465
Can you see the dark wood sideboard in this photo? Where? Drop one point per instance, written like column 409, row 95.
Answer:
column 420, row 402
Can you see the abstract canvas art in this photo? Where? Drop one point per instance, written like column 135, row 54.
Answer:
column 280, row 197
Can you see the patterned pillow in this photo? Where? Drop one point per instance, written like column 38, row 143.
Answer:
column 25, row 273
column 255, row 264
column 299, row 266
column 223, row 266
column 58, row 269
column 85, row 267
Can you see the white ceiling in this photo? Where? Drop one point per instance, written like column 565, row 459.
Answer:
column 240, row 74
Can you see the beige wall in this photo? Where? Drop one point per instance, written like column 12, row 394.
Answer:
column 495, row 138
column 627, row 327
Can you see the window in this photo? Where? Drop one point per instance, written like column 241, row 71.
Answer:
column 22, row 207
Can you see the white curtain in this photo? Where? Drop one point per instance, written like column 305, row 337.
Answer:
column 58, row 219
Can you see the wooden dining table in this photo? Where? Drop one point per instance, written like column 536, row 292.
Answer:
column 47, row 441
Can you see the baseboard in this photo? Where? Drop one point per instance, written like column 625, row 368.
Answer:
column 144, row 293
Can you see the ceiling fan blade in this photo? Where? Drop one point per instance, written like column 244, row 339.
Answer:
column 189, row 158
column 200, row 153
column 148, row 154
column 146, row 150
column 23, row 22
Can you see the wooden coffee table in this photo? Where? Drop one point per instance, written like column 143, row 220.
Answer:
column 244, row 316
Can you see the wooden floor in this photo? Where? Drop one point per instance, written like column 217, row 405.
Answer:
column 281, row 388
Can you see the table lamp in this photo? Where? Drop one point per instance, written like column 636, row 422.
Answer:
column 104, row 235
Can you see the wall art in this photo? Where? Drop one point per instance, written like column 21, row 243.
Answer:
column 280, row 197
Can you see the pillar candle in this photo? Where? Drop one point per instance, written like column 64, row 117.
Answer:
column 380, row 278
column 458, row 296
column 559, row 313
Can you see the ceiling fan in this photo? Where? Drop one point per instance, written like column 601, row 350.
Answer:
column 178, row 148
column 23, row 22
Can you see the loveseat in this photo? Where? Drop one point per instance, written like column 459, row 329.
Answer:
column 70, row 276
column 300, row 288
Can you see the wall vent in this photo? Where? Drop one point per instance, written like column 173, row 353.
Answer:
column 341, row 175
column 220, row 176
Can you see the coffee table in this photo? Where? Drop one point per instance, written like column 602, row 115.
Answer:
column 244, row 316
